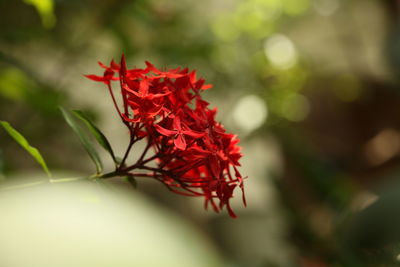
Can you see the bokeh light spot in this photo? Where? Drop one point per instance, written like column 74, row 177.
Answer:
column 383, row 146
column 250, row 113
column 280, row 51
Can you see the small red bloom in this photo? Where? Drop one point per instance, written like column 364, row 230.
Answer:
column 178, row 133
column 194, row 154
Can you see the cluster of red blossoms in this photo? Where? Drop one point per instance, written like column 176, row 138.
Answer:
column 193, row 155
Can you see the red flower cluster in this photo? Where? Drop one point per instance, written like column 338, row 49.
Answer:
column 194, row 155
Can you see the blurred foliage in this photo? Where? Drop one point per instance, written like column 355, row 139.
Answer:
column 16, row 86
column 45, row 8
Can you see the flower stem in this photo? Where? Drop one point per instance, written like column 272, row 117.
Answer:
column 51, row 181
column 131, row 142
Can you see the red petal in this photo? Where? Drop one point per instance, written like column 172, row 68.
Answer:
column 129, row 119
column 184, row 71
column 153, row 96
column 243, row 194
column 206, row 86
column 149, row 65
column 155, row 110
column 173, row 75
column 164, row 131
column 102, row 65
column 180, row 142
column 198, row 150
column 175, row 70
column 114, row 65
column 177, row 123
column 144, row 86
column 215, row 167
column 211, row 200
column 108, row 74
column 95, row 78
column 126, row 87
column 230, row 211
column 193, row 134
column 192, row 77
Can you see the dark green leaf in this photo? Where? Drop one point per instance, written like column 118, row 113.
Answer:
column 100, row 137
column 132, row 181
column 84, row 139
column 24, row 143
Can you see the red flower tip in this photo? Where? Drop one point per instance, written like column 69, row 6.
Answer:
column 149, row 65
column 94, row 78
column 102, row 65
column 97, row 78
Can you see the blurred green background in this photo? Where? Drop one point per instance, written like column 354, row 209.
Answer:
column 310, row 86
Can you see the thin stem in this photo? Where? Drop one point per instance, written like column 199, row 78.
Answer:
column 122, row 74
column 51, row 181
column 114, row 101
column 147, row 175
column 144, row 151
column 151, row 169
column 110, row 174
column 140, row 167
column 131, row 142
column 65, row 180
column 150, row 159
column 21, row 186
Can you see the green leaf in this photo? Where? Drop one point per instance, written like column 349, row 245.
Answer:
column 24, row 143
column 84, row 139
column 100, row 137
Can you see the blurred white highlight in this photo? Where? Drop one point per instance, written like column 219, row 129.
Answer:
column 280, row 51
column 250, row 113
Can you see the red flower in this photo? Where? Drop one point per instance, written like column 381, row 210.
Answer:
column 178, row 133
column 194, row 154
